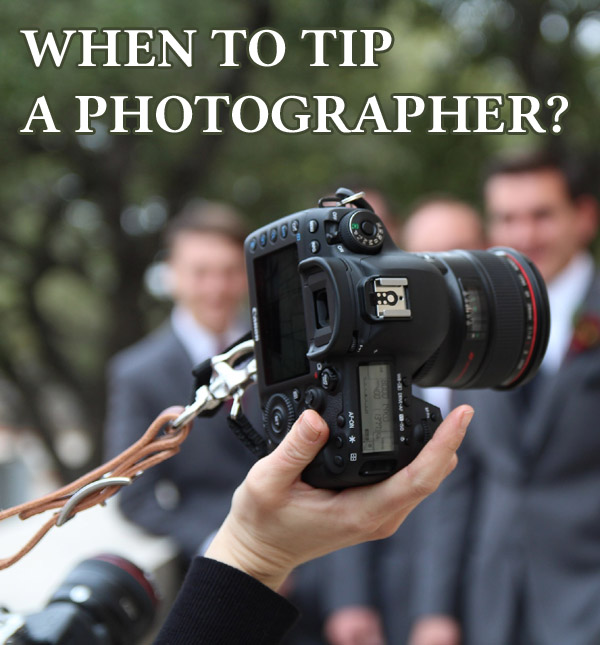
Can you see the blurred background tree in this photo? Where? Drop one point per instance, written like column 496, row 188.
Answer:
column 82, row 215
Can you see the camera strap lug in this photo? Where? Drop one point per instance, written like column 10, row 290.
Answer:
column 345, row 197
column 225, row 377
column 230, row 375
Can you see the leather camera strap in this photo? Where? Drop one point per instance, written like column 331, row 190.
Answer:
column 158, row 443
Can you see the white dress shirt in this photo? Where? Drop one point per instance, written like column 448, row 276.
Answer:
column 566, row 294
column 199, row 342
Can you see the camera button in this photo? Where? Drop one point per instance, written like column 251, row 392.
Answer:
column 295, row 226
column 284, row 231
column 296, row 394
column 338, row 441
column 341, row 420
column 338, row 460
column 278, row 416
column 313, row 226
column 273, row 235
column 314, row 246
column 252, row 245
column 368, row 228
column 314, row 398
column 329, row 379
column 278, row 420
column 263, row 239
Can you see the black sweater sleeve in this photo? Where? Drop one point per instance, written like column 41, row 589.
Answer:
column 218, row 604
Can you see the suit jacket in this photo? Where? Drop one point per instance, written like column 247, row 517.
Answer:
column 219, row 605
column 381, row 575
column 516, row 532
column 189, row 495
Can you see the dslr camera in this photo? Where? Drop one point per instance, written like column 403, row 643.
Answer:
column 345, row 323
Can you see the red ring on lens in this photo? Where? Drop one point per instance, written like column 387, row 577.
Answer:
column 535, row 319
column 133, row 570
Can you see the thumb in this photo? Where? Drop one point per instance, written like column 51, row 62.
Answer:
column 300, row 446
column 423, row 475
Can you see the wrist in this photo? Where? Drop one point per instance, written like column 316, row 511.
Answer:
column 232, row 547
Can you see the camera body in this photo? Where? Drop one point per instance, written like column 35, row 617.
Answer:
column 368, row 328
column 344, row 323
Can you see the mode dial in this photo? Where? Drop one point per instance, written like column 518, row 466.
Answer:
column 362, row 232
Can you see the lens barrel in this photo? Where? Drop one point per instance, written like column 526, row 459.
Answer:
column 114, row 593
column 499, row 322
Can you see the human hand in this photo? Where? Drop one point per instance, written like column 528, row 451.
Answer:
column 354, row 626
column 435, row 630
column 277, row 521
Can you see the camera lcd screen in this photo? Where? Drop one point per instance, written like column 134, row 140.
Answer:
column 281, row 315
column 376, row 407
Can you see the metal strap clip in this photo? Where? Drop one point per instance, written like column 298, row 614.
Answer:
column 230, row 378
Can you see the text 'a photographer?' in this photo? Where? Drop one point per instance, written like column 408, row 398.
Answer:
column 318, row 114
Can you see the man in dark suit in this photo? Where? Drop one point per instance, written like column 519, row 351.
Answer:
column 512, row 556
column 188, row 496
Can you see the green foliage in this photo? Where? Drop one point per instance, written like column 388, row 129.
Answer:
column 71, row 277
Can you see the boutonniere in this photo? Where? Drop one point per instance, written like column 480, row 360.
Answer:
column 586, row 334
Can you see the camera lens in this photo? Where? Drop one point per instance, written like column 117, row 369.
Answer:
column 115, row 595
column 499, row 321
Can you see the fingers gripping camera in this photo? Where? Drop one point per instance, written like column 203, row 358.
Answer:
column 344, row 323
